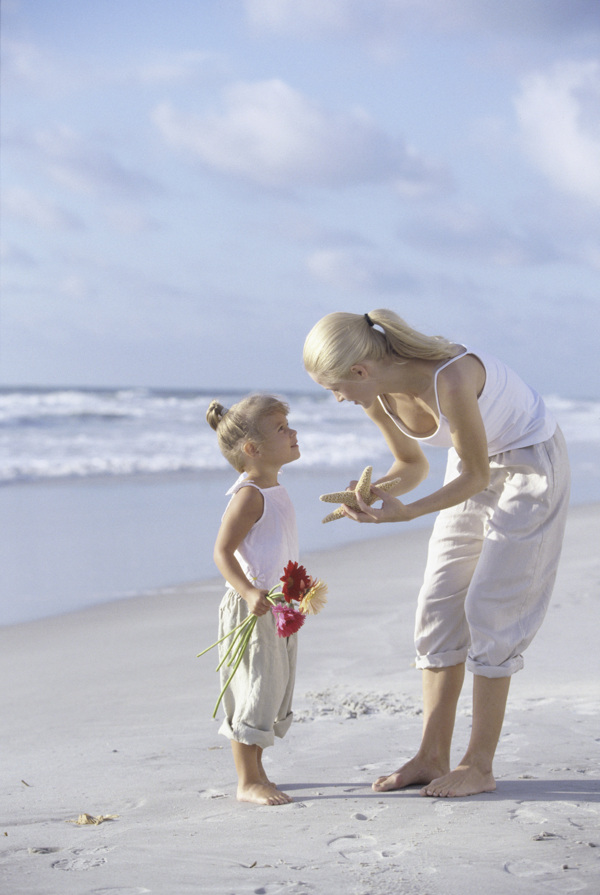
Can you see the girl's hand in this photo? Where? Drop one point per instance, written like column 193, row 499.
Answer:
column 391, row 510
column 257, row 601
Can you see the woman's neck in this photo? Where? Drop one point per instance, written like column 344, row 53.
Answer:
column 413, row 377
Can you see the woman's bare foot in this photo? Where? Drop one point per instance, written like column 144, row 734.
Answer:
column 414, row 772
column 262, row 794
column 466, row 780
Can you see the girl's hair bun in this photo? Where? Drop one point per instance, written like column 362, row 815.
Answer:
column 215, row 414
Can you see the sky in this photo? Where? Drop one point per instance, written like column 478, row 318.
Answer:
column 189, row 185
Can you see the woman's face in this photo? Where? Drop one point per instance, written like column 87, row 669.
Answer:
column 360, row 387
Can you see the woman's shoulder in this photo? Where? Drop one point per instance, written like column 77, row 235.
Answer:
column 466, row 372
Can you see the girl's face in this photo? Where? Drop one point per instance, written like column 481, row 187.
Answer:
column 280, row 443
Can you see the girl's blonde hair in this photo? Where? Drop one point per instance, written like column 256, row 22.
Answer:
column 340, row 340
column 242, row 423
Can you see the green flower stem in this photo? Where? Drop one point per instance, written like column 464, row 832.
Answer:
column 225, row 636
column 240, row 631
column 237, row 647
column 240, row 656
column 240, row 642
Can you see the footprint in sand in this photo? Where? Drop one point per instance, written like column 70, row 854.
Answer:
column 212, row 794
column 78, row 863
column 361, row 849
column 290, row 888
column 443, row 807
column 528, row 868
column 82, row 859
column 545, row 875
column 116, row 891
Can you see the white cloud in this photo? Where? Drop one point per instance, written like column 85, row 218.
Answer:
column 356, row 271
column 389, row 20
column 466, row 232
column 273, row 135
column 23, row 205
column 559, row 117
column 24, row 63
column 172, row 68
column 33, row 67
column 130, row 219
column 82, row 166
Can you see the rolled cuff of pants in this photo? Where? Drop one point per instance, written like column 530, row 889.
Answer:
column 492, row 671
column 251, row 736
column 442, row 660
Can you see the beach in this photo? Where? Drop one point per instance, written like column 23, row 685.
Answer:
column 107, row 712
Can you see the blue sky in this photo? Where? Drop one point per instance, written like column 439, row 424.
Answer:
column 188, row 186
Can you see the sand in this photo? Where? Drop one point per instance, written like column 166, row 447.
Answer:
column 108, row 712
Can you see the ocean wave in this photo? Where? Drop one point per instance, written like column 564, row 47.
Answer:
column 52, row 434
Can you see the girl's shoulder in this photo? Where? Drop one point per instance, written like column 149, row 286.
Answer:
column 246, row 500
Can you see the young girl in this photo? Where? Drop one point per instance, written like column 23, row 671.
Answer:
column 495, row 545
column 256, row 540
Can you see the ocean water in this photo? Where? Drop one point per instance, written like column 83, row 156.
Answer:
column 108, row 493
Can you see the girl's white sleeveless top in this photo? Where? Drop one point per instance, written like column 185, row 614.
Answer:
column 514, row 415
column 272, row 541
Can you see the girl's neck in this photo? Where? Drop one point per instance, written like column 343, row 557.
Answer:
column 264, row 478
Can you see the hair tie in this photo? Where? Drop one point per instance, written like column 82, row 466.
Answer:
column 369, row 321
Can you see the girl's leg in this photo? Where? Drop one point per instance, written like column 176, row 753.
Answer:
column 251, row 784
column 474, row 773
column 261, row 770
column 441, row 689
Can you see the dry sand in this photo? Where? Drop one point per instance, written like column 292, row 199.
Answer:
column 108, row 712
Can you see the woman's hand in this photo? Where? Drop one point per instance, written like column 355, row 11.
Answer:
column 391, row 510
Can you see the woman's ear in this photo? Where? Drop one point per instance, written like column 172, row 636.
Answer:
column 360, row 371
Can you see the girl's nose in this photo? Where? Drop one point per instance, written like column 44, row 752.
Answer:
column 339, row 399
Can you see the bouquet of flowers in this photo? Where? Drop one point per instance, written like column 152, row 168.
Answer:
column 297, row 588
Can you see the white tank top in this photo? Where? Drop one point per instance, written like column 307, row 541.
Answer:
column 514, row 415
column 272, row 541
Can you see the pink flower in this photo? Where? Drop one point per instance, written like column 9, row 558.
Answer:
column 288, row 620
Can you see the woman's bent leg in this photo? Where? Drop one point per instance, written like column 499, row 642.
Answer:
column 474, row 773
column 441, row 689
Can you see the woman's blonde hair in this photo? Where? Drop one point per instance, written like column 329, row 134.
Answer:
column 340, row 340
column 242, row 423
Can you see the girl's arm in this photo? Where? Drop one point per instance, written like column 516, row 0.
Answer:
column 245, row 509
column 457, row 393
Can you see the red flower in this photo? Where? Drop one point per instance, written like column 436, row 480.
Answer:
column 288, row 620
column 296, row 580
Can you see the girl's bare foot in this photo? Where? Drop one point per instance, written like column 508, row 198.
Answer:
column 262, row 794
column 414, row 772
column 466, row 780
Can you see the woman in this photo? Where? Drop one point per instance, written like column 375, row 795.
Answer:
column 495, row 544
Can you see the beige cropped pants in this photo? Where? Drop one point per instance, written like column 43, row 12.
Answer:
column 258, row 702
column 492, row 563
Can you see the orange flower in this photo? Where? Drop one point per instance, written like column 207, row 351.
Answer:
column 314, row 599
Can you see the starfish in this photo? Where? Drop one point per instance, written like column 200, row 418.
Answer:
column 349, row 497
